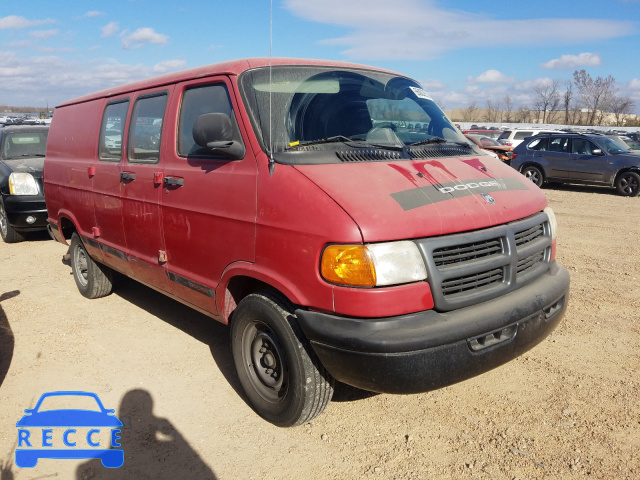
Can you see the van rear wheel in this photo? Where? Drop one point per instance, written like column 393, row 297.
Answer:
column 93, row 279
column 284, row 381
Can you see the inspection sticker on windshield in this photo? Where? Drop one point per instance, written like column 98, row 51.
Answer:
column 420, row 93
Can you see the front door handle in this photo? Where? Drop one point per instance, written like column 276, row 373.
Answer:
column 173, row 182
column 127, row 176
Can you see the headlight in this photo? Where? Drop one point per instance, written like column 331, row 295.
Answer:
column 552, row 222
column 373, row 265
column 21, row 183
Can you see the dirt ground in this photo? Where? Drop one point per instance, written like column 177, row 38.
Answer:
column 569, row 408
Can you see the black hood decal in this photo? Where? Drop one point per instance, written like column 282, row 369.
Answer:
column 441, row 192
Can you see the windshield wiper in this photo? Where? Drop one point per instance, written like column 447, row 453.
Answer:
column 438, row 140
column 334, row 139
column 353, row 142
column 28, row 155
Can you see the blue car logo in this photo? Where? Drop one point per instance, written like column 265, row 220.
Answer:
column 47, row 431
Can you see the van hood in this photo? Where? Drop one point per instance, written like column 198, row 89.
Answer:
column 421, row 198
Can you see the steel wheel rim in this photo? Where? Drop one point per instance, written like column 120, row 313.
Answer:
column 264, row 362
column 80, row 265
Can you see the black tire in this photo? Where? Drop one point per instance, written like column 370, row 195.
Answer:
column 7, row 232
column 628, row 184
column 284, row 381
column 534, row 174
column 93, row 279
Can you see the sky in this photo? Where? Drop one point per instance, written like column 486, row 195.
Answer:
column 461, row 52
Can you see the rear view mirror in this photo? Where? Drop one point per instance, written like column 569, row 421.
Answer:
column 597, row 151
column 215, row 131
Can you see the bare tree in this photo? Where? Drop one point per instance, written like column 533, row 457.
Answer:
column 508, row 108
column 524, row 115
column 620, row 107
column 547, row 97
column 594, row 94
column 470, row 114
column 492, row 112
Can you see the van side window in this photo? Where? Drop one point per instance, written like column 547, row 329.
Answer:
column 146, row 128
column 110, row 146
column 198, row 101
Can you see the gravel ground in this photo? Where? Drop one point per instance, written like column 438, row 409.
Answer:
column 569, row 408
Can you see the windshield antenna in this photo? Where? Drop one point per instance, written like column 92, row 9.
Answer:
column 272, row 163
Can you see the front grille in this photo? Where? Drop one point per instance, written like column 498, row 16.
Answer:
column 469, row 268
column 446, row 256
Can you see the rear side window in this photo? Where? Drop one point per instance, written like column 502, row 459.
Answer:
column 146, row 128
column 522, row 135
column 199, row 101
column 539, row 144
column 559, row 144
column 110, row 147
column 504, row 135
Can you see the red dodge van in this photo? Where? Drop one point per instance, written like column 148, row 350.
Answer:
column 289, row 199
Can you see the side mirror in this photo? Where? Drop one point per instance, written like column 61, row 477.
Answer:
column 215, row 132
column 597, row 151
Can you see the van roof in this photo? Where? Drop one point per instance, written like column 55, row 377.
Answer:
column 233, row 67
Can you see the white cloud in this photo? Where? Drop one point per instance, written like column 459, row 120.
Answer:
column 142, row 36
column 93, row 13
column 43, row 34
column 15, row 22
column 169, row 66
column 422, row 29
column 586, row 59
column 491, row 76
column 35, row 81
column 110, row 29
column 634, row 84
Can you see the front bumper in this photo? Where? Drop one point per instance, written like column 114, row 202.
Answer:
column 429, row 350
column 19, row 208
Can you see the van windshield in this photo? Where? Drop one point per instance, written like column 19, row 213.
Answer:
column 302, row 108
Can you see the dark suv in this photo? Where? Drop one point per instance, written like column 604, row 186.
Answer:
column 22, row 207
column 588, row 159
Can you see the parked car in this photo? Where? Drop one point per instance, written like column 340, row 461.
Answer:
column 512, row 138
column 494, row 134
column 502, row 151
column 333, row 247
column 22, row 205
column 588, row 159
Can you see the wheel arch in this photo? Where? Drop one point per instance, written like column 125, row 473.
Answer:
column 632, row 168
column 531, row 163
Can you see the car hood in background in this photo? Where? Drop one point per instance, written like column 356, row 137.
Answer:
column 31, row 165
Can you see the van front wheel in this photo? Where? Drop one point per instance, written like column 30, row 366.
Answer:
column 279, row 372
column 92, row 279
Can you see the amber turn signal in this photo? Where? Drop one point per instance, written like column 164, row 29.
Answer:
column 348, row 265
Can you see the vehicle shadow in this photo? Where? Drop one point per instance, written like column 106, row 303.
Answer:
column 7, row 342
column 199, row 326
column 207, row 331
column 153, row 447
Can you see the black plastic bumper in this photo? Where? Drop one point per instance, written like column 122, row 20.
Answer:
column 428, row 350
column 19, row 207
